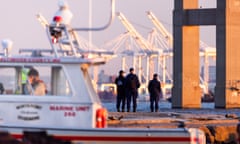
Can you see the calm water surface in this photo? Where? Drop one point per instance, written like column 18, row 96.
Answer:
column 144, row 106
column 207, row 108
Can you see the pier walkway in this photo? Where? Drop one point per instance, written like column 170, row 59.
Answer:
column 219, row 125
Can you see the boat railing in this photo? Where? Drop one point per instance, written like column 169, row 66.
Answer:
column 69, row 44
column 36, row 51
column 41, row 52
column 112, row 16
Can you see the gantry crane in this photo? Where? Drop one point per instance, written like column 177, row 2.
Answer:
column 166, row 36
column 206, row 52
column 146, row 47
column 161, row 28
column 159, row 41
column 139, row 39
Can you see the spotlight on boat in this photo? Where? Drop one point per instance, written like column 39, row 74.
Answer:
column 7, row 46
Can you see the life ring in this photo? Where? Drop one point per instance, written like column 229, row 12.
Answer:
column 101, row 118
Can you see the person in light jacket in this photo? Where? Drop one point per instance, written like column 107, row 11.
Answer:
column 35, row 86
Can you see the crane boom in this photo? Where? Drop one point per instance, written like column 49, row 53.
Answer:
column 161, row 28
column 139, row 39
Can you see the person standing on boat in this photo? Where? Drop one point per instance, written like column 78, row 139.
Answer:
column 24, row 77
column 64, row 13
column 154, row 88
column 62, row 17
column 132, row 85
column 121, row 92
column 35, row 86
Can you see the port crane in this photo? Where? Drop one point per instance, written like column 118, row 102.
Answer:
column 147, row 49
column 161, row 28
column 165, row 41
column 205, row 50
column 165, row 59
column 140, row 40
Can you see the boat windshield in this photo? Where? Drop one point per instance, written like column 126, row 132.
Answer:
column 14, row 79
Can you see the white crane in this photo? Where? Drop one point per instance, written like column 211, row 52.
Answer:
column 161, row 28
column 146, row 47
column 159, row 41
column 205, row 50
column 140, row 40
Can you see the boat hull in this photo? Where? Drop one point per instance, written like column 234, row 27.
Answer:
column 113, row 135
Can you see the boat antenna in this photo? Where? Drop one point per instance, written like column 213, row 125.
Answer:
column 112, row 15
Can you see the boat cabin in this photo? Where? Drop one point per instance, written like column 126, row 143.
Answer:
column 70, row 100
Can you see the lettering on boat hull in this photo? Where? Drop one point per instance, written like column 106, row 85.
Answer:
column 69, row 111
column 28, row 112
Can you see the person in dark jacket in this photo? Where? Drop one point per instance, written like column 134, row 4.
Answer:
column 1, row 88
column 154, row 88
column 121, row 93
column 132, row 85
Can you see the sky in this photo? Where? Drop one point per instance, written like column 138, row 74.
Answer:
column 19, row 23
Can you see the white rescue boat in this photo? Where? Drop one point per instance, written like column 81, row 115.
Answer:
column 70, row 108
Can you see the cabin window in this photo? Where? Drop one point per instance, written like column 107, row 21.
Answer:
column 13, row 80
column 7, row 83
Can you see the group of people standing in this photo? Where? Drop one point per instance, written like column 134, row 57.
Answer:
column 127, row 90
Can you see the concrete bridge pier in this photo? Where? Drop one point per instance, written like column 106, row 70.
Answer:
column 187, row 18
column 228, row 54
column 186, row 90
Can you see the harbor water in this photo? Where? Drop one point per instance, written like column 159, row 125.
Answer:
column 144, row 106
column 165, row 107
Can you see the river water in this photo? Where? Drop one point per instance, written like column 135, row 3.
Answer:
column 207, row 108
column 144, row 106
